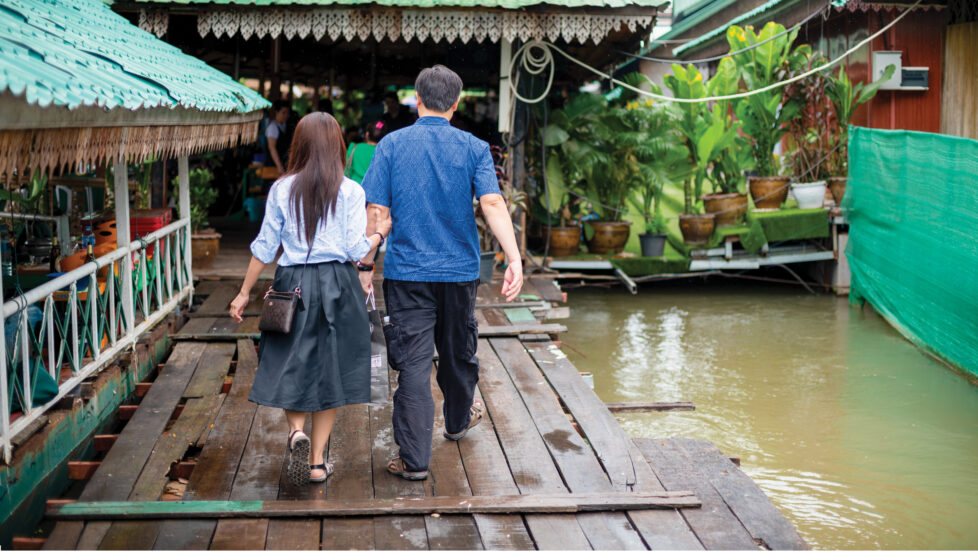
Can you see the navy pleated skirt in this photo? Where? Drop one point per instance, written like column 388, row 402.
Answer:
column 325, row 361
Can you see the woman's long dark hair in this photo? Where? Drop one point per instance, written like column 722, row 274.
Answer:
column 317, row 159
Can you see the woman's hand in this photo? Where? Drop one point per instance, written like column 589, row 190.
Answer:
column 366, row 281
column 238, row 305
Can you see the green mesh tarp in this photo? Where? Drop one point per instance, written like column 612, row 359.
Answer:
column 912, row 205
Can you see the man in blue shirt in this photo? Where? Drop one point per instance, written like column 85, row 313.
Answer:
column 424, row 177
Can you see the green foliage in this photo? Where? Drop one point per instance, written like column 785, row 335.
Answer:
column 764, row 115
column 709, row 133
column 202, row 196
column 846, row 97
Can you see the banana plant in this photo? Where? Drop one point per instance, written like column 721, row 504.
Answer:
column 706, row 131
column 846, row 97
column 769, row 58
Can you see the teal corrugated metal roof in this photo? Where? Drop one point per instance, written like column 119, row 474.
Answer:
column 79, row 53
column 508, row 4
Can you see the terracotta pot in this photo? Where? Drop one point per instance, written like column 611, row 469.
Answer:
column 837, row 185
column 564, row 241
column 768, row 192
column 608, row 237
column 728, row 208
column 696, row 229
column 204, row 249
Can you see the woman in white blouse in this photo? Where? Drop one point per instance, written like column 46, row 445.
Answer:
column 318, row 218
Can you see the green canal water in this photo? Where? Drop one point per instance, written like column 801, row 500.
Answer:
column 862, row 441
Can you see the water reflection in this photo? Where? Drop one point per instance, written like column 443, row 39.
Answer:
column 861, row 440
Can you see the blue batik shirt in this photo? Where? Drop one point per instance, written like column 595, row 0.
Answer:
column 427, row 175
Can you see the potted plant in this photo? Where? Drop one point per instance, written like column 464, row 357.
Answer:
column 810, row 139
column 846, row 97
column 515, row 200
column 705, row 135
column 728, row 202
column 660, row 157
column 767, row 59
column 204, row 243
column 591, row 144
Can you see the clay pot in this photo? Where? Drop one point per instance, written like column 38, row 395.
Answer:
column 837, row 186
column 204, row 249
column 729, row 209
column 608, row 237
column 696, row 229
column 768, row 192
column 564, row 241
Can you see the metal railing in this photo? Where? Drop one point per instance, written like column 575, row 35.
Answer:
column 70, row 327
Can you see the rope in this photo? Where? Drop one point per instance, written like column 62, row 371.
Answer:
column 536, row 64
column 720, row 56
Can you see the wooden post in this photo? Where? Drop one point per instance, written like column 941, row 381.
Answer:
column 183, row 171
column 5, row 415
column 505, row 94
column 237, row 58
column 275, row 89
column 123, row 238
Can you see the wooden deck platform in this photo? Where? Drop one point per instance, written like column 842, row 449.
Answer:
column 549, row 468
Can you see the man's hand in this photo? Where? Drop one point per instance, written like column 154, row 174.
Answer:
column 238, row 305
column 366, row 281
column 513, row 280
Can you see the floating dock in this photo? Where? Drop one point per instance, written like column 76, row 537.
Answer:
column 198, row 466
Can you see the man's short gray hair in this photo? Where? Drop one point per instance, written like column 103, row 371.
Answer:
column 438, row 87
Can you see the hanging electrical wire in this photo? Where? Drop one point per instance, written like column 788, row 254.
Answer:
column 537, row 64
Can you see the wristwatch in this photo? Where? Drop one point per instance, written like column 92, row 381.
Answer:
column 364, row 267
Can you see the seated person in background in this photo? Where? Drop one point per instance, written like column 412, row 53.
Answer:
column 359, row 154
column 396, row 116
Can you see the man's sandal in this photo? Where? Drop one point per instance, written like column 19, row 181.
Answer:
column 298, row 460
column 327, row 469
column 397, row 468
column 476, row 412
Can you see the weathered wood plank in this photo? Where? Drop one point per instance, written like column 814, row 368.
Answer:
column 660, row 529
column 240, row 534
column 579, row 467
column 714, row 524
column 349, row 451
column 648, row 406
column 407, row 533
column 755, row 511
column 524, row 452
column 547, row 288
column 484, row 332
column 601, row 429
column 293, row 534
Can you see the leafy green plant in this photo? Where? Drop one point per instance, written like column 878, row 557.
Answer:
column 707, row 132
column 769, row 59
column 810, row 137
column 202, row 196
column 846, row 97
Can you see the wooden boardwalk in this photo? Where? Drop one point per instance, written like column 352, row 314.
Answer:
column 195, row 437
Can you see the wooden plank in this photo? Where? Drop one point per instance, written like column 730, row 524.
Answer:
column 218, row 462
column 448, row 479
column 122, row 464
column 507, row 305
column 548, row 289
column 648, row 406
column 624, row 465
column 220, row 298
column 349, row 451
column 240, row 534
column 402, row 533
column 660, row 529
column 601, row 429
column 754, row 510
column 484, row 332
column 714, row 524
column 293, row 534
column 578, row 466
column 82, row 470
column 390, row 507
column 524, row 453
column 214, row 367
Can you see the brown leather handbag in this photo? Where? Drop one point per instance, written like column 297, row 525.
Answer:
column 278, row 309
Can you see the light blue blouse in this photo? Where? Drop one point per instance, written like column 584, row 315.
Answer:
column 342, row 239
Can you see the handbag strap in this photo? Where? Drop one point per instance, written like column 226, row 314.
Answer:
column 298, row 287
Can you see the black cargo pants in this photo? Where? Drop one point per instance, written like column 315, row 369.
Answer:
column 424, row 316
